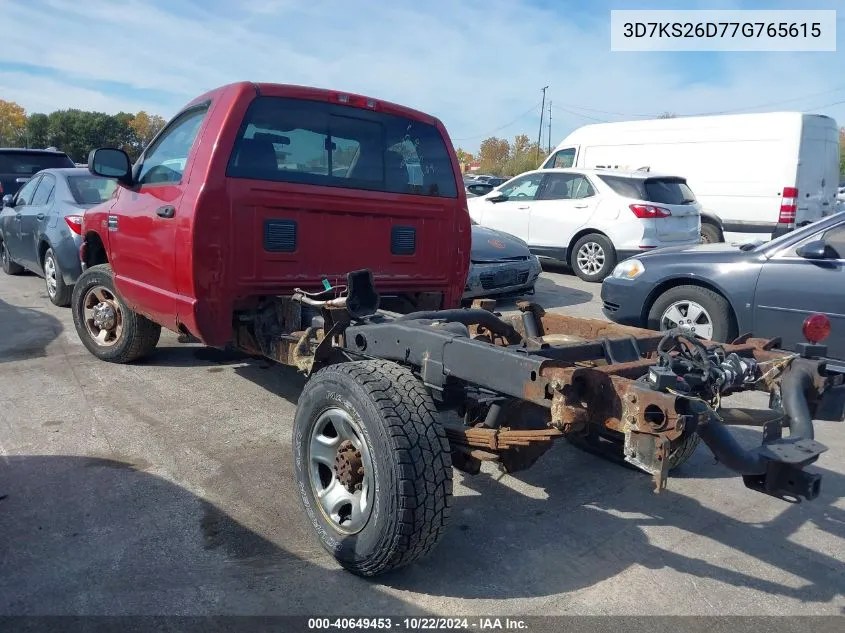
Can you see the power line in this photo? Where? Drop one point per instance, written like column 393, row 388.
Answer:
column 586, row 116
column 501, row 127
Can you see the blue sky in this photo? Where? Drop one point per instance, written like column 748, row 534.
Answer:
column 478, row 65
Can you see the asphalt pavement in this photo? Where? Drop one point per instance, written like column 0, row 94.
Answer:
column 165, row 487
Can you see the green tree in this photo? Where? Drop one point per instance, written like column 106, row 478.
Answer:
column 464, row 157
column 37, row 126
column 12, row 124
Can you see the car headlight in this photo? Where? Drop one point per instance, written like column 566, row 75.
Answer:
column 629, row 269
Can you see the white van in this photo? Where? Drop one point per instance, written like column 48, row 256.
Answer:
column 755, row 175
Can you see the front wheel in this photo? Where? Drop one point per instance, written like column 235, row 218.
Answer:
column 9, row 267
column 593, row 257
column 105, row 325
column 698, row 310
column 372, row 465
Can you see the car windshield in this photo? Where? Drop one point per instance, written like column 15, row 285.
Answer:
column 799, row 234
column 26, row 164
column 91, row 189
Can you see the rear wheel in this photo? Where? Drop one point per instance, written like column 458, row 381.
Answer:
column 372, row 464
column 57, row 290
column 593, row 257
column 701, row 311
column 9, row 267
column 110, row 330
column 710, row 233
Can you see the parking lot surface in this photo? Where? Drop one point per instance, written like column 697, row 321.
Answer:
column 165, row 487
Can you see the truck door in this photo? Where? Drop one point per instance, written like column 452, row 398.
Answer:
column 142, row 222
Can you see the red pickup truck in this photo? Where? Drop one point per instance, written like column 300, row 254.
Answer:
column 255, row 190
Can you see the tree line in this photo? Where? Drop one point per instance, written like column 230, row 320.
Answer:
column 77, row 132
column 500, row 157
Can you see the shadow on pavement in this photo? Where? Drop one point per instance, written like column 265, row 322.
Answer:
column 584, row 520
column 549, row 295
column 90, row 536
column 25, row 333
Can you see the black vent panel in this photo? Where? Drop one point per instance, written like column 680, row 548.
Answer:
column 403, row 240
column 280, row 236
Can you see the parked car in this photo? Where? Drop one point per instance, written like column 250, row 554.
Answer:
column 590, row 219
column 500, row 265
column 18, row 165
column 755, row 175
column 720, row 291
column 40, row 226
column 479, row 188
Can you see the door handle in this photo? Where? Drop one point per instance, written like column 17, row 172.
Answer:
column 581, row 206
column 166, row 212
column 40, row 216
column 525, row 207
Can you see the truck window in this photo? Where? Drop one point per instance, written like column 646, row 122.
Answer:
column 164, row 162
column 310, row 142
column 563, row 159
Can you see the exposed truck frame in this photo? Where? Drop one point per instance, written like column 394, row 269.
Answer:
column 394, row 401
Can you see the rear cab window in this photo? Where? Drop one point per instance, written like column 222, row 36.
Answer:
column 665, row 190
column 312, row 142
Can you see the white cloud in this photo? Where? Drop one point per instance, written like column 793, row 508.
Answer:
column 474, row 64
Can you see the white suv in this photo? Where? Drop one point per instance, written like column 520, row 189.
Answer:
column 592, row 218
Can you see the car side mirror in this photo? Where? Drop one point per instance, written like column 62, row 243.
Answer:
column 109, row 162
column 8, row 200
column 497, row 197
column 816, row 249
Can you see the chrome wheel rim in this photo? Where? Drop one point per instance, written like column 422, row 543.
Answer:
column 590, row 258
column 690, row 316
column 50, row 275
column 103, row 316
column 340, row 471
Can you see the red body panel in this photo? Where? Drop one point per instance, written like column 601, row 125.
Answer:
column 195, row 268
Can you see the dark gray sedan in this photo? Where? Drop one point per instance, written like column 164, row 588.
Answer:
column 40, row 226
column 719, row 291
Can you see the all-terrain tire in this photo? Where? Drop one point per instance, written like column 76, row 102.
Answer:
column 139, row 336
column 684, row 450
column 9, row 267
column 411, row 478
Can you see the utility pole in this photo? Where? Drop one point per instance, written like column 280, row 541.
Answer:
column 540, row 131
column 550, row 126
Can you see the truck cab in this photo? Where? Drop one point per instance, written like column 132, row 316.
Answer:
column 256, row 190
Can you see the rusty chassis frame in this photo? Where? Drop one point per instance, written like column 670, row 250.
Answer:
column 516, row 384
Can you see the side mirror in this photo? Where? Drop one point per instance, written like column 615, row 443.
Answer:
column 110, row 163
column 8, row 200
column 816, row 249
column 497, row 197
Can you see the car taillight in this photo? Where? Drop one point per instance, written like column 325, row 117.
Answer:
column 647, row 211
column 788, row 206
column 74, row 223
column 816, row 328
